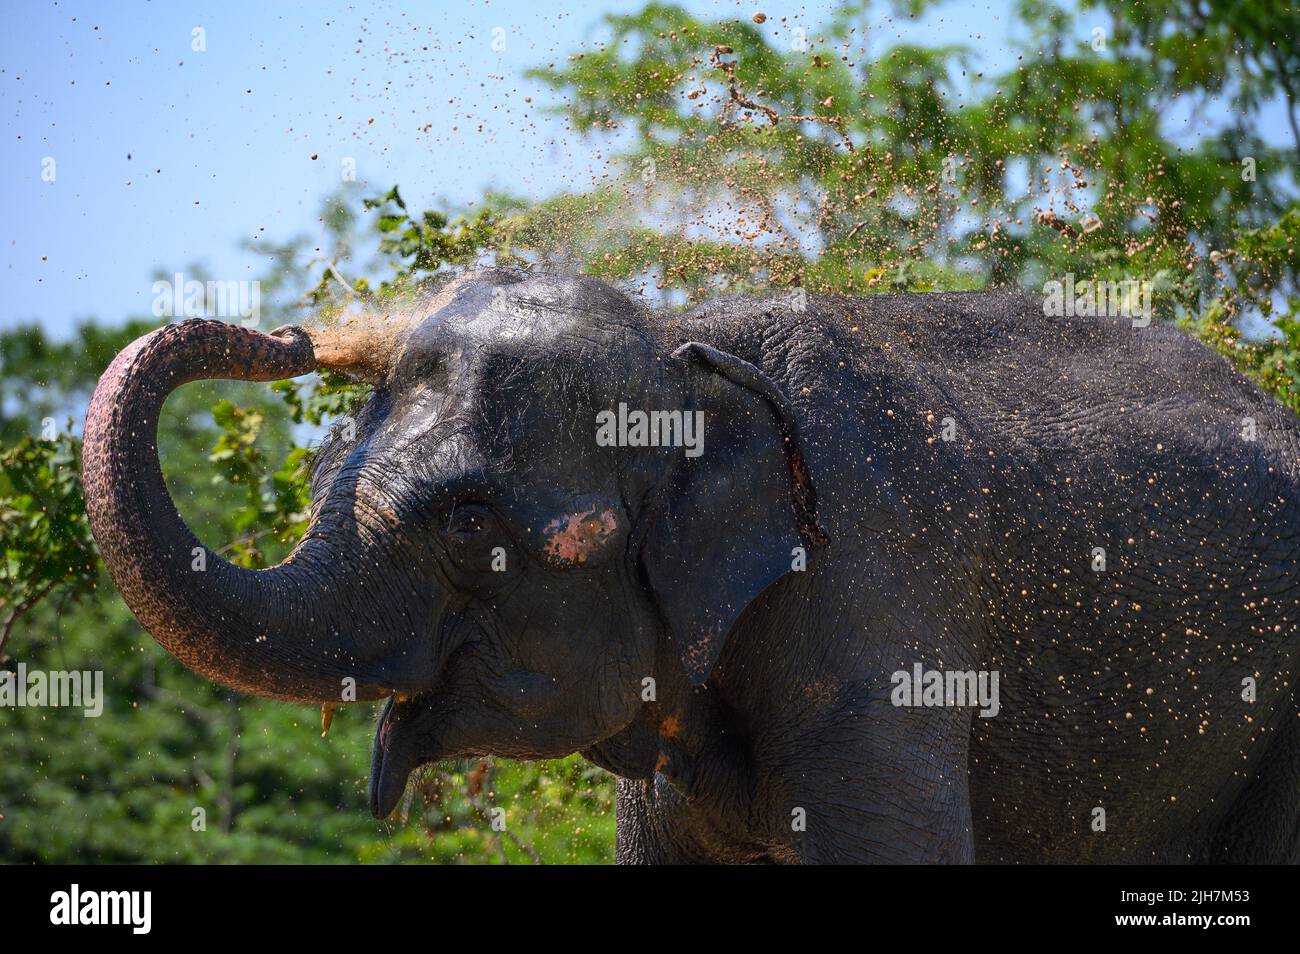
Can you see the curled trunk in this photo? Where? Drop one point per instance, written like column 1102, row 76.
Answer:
column 287, row 632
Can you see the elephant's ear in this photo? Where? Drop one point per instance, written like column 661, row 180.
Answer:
column 727, row 520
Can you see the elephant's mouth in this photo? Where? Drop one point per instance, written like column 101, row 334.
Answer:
column 409, row 732
column 404, row 740
column 388, row 768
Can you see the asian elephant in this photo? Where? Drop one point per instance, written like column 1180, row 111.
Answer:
column 764, row 628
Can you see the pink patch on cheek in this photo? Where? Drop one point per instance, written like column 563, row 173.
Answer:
column 575, row 537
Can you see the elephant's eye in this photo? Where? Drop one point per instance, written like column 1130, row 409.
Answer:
column 467, row 520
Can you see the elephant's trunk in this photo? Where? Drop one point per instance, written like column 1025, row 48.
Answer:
column 282, row 633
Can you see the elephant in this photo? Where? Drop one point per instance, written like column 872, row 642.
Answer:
column 1090, row 524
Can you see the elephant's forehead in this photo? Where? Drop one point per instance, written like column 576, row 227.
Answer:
column 481, row 316
column 522, row 360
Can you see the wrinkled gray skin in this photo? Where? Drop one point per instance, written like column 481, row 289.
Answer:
column 1120, row 689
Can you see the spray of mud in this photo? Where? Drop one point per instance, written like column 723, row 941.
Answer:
column 360, row 344
column 365, row 341
column 802, row 186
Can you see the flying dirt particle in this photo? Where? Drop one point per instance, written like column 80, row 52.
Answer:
column 760, row 17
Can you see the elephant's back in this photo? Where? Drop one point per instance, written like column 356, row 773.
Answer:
column 982, row 390
column 1059, row 388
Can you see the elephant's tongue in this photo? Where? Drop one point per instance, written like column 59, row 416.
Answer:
column 390, row 765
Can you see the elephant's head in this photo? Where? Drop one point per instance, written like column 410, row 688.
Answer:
column 476, row 552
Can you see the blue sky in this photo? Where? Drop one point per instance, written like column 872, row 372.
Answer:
column 166, row 156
